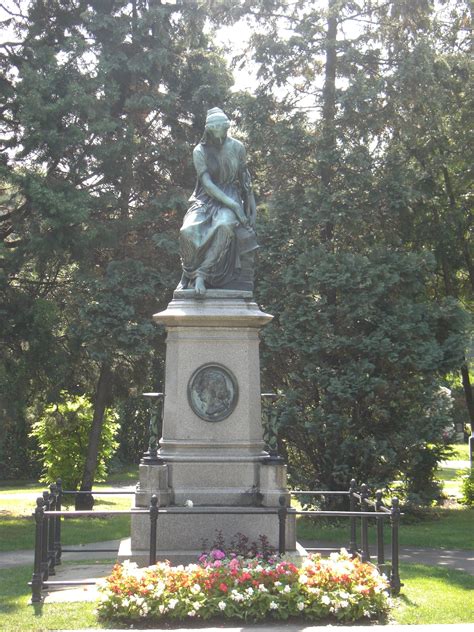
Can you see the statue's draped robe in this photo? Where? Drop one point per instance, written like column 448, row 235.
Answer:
column 212, row 240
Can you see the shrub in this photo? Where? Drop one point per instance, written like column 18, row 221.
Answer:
column 467, row 489
column 338, row 588
column 239, row 546
column 62, row 433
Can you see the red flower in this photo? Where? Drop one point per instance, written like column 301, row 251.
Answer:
column 223, row 587
column 244, row 577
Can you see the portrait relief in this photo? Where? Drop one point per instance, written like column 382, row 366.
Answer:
column 212, row 392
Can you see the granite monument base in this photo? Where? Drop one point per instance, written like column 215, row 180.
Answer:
column 183, row 534
column 212, row 448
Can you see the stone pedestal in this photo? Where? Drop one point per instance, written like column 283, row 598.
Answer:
column 212, row 431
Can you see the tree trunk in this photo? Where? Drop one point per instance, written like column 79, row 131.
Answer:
column 327, row 145
column 102, row 399
column 466, row 382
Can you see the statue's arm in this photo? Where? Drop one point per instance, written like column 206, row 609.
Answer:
column 212, row 189
column 247, row 189
column 219, row 195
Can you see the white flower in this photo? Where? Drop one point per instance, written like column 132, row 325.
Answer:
column 222, row 605
column 300, row 605
column 277, row 584
column 192, row 613
column 344, row 604
column 195, row 589
column 249, row 590
column 325, row 600
column 162, row 608
column 303, row 579
column 172, row 604
column 188, row 503
column 287, row 589
column 273, row 606
column 236, row 596
column 262, row 588
column 127, row 565
column 259, row 568
column 196, row 605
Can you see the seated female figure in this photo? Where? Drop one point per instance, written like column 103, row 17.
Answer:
column 217, row 239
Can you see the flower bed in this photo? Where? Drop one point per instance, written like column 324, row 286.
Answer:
column 340, row 588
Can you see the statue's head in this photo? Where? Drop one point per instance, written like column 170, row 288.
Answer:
column 217, row 125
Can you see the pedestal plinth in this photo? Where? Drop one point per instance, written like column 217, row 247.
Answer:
column 212, row 429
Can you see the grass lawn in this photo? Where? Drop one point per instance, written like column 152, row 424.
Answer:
column 461, row 452
column 16, row 614
column 18, row 500
column 19, row 533
column 449, row 528
column 434, row 595
column 430, row 595
column 17, row 524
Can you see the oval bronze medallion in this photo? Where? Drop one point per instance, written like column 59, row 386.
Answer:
column 212, row 392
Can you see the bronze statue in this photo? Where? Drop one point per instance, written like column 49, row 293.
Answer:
column 217, row 239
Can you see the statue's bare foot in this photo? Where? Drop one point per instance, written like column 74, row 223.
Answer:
column 200, row 286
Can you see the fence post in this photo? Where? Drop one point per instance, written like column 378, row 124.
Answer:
column 380, row 529
column 37, row 578
column 153, row 526
column 353, row 523
column 45, row 540
column 282, row 514
column 395, row 583
column 57, row 524
column 364, row 522
column 52, row 528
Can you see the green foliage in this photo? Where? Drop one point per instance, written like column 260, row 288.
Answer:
column 103, row 103
column 363, row 232
column 467, row 488
column 62, row 433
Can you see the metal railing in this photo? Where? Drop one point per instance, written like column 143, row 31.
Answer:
column 48, row 515
column 363, row 509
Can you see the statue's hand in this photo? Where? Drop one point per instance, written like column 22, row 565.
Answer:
column 240, row 213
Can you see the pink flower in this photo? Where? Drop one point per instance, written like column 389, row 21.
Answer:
column 234, row 564
column 217, row 554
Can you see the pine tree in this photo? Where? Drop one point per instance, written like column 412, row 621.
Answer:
column 108, row 99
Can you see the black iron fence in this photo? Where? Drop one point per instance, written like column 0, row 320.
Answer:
column 363, row 509
column 49, row 513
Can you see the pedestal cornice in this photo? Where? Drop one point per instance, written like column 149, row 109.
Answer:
column 218, row 308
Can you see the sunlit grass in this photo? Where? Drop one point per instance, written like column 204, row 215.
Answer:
column 447, row 528
column 17, row 533
column 461, row 452
column 16, row 614
column 434, row 595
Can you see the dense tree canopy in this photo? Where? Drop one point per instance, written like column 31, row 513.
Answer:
column 357, row 136
column 366, row 250
column 104, row 101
